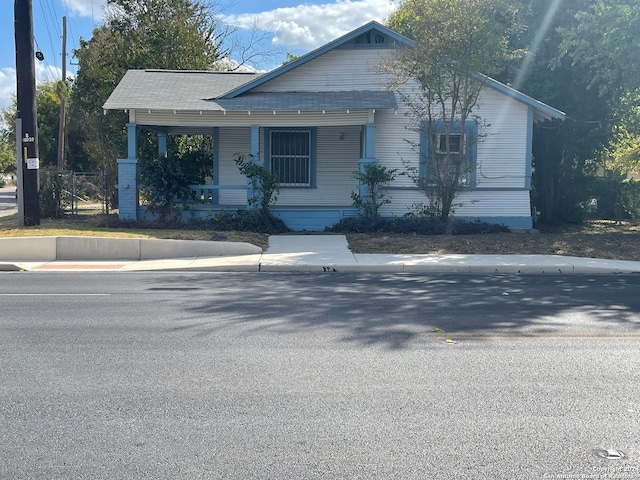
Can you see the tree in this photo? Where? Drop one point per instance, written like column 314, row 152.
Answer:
column 7, row 153
column 162, row 34
column 604, row 36
column 455, row 40
column 48, row 97
column 567, row 64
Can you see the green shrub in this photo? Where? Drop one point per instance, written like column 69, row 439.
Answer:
column 263, row 182
column 248, row 221
column 54, row 193
column 372, row 177
column 416, row 225
column 167, row 178
column 242, row 220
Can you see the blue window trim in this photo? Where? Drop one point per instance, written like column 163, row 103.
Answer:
column 313, row 133
column 471, row 147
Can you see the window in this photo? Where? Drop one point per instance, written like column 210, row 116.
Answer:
column 291, row 156
column 432, row 160
column 454, row 143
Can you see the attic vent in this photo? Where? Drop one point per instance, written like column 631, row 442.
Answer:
column 369, row 38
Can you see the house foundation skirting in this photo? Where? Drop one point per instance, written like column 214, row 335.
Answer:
column 313, row 219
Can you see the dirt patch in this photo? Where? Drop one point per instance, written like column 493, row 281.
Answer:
column 597, row 239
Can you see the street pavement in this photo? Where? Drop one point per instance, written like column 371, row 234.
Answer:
column 182, row 375
column 8, row 204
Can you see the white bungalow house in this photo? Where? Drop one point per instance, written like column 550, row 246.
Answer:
column 316, row 121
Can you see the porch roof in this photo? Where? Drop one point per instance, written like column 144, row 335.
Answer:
column 173, row 89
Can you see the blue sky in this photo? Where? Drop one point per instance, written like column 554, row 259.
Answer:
column 280, row 25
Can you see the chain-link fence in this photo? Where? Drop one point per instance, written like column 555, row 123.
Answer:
column 65, row 192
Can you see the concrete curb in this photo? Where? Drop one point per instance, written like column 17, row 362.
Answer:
column 106, row 248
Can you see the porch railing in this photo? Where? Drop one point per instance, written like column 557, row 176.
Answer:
column 208, row 194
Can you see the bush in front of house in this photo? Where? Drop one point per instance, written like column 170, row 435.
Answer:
column 259, row 221
column 241, row 221
column 416, row 225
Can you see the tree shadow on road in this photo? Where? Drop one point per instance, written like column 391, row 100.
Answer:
column 395, row 310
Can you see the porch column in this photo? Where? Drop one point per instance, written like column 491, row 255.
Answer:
column 128, row 199
column 215, row 170
column 369, row 154
column 162, row 144
column 255, row 156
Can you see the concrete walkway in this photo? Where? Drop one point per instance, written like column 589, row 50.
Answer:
column 296, row 253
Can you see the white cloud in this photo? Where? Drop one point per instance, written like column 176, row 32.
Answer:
column 7, row 86
column 309, row 26
column 47, row 72
column 86, row 8
column 8, row 80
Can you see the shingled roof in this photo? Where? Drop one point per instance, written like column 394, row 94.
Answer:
column 173, row 89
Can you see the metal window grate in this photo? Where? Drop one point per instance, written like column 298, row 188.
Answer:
column 290, row 154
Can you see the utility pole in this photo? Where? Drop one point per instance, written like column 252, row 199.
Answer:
column 63, row 96
column 26, row 103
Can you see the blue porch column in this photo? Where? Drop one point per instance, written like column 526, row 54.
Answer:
column 128, row 198
column 369, row 154
column 162, row 143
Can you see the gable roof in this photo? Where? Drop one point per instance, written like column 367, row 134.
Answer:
column 542, row 111
column 216, row 91
column 372, row 26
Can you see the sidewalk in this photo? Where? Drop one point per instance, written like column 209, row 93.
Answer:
column 286, row 253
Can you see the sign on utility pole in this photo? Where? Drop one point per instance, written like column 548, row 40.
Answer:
column 26, row 103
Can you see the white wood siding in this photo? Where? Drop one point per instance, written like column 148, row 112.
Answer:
column 477, row 203
column 232, row 141
column 502, row 146
column 501, row 150
column 337, row 70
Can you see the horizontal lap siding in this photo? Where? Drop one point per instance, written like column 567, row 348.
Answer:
column 335, row 163
column 232, row 141
column 502, row 146
column 493, row 203
column 394, row 144
column 337, row 70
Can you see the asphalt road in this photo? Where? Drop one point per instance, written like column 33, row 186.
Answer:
column 8, row 202
column 180, row 375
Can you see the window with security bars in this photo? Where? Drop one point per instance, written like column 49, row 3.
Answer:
column 290, row 155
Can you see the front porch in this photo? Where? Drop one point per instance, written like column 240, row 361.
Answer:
column 321, row 198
